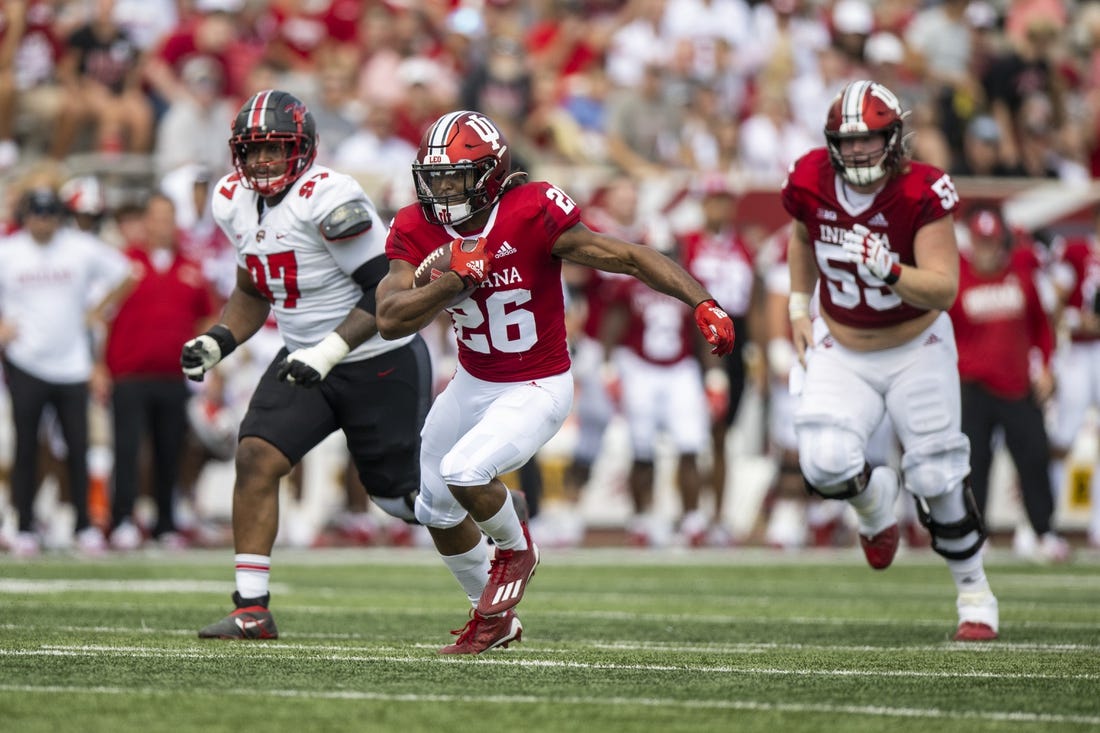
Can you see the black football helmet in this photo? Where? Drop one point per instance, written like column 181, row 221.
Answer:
column 273, row 116
column 866, row 108
column 461, row 167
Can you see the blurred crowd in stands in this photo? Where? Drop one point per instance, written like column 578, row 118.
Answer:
column 655, row 114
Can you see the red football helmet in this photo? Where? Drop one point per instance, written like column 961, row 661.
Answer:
column 862, row 109
column 273, row 116
column 461, row 167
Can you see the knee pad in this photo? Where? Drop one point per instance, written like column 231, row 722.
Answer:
column 940, row 531
column 458, row 470
column 440, row 510
column 846, row 489
column 402, row 507
column 936, row 464
column 830, row 456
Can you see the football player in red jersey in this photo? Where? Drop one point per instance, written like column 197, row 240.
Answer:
column 513, row 388
column 873, row 231
column 1077, row 368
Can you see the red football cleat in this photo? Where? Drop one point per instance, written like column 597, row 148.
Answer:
column 880, row 549
column 482, row 633
column 975, row 631
column 508, row 576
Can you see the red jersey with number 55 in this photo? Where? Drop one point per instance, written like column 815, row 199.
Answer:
column 816, row 196
column 512, row 328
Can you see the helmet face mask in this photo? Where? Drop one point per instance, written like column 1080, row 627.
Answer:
column 460, row 168
column 865, row 111
column 274, row 141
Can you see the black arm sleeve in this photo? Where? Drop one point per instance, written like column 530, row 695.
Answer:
column 367, row 276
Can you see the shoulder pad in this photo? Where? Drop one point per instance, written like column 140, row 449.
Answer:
column 347, row 220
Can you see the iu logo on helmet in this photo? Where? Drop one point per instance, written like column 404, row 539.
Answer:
column 485, row 130
column 887, row 97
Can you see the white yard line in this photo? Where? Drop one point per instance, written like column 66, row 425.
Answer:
column 626, row 646
column 351, row 655
column 1011, row 716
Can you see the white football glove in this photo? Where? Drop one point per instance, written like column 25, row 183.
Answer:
column 307, row 367
column 868, row 249
column 201, row 353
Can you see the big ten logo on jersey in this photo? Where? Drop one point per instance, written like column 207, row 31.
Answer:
column 485, row 130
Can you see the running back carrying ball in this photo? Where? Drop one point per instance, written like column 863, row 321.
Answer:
column 439, row 261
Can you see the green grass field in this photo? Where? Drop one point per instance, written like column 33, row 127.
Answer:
column 614, row 640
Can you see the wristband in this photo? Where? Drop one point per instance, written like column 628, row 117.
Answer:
column 224, row 338
column 893, row 275
column 798, row 305
column 332, row 348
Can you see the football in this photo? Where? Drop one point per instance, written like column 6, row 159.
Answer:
column 437, row 262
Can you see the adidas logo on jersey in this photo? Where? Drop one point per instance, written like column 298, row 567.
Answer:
column 826, row 215
column 505, row 250
column 878, row 220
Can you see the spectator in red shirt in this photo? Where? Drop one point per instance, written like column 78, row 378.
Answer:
column 168, row 304
column 999, row 322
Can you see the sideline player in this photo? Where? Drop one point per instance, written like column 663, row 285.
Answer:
column 310, row 248
column 875, row 230
column 513, row 387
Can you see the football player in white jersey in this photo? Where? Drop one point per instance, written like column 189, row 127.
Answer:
column 311, row 250
column 873, row 230
column 513, row 388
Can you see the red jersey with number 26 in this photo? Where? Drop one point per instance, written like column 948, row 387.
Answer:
column 512, row 328
column 814, row 195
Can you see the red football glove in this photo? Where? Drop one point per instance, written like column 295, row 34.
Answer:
column 716, row 325
column 472, row 265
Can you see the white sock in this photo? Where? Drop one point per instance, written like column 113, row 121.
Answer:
column 875, row 514
column 504, row 527
column 471, row 570
column 253, row 573
column 969, row 574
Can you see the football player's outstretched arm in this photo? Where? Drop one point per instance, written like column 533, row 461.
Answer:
column 583, row 246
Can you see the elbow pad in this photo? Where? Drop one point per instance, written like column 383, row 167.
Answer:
column 347, row 221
